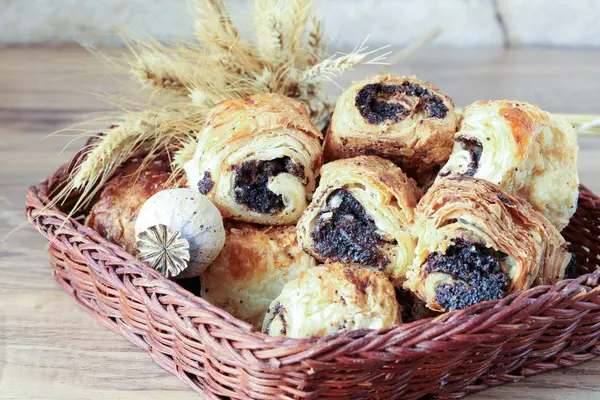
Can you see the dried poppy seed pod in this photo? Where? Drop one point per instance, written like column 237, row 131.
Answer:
column 406, row 120
column 185, row 214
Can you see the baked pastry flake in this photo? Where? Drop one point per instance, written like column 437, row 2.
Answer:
column 476, row 242
column 332, row 298
column 116, row 207
column 523, row 149
column 406, row 120
column 258, row 159
column 361, row 214
column 252, row 268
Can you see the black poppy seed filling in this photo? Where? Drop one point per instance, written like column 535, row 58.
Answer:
column 348, row 235
column 477, row 270
column 206, row 183
column 372, row 102
column 252, row 177
column 475, row 149
column 278, row 310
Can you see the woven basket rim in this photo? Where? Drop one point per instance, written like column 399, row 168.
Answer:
column 472, row 320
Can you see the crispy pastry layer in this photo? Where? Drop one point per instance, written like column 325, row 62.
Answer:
column 252, row 268
column 525, row 150
column 403, row 119
column 360, row 215
column 476, row 242
column 115, row 210
column 258, row 159
column 330, row 299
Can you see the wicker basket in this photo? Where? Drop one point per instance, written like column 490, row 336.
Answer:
column 450, row 356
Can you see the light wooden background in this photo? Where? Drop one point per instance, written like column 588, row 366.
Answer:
column 50, row 349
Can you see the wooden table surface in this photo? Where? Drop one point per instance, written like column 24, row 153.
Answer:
column 50, row 349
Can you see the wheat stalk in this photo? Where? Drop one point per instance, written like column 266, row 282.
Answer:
column 160, row 70
column 316, row 44
column 296, row 14
column 337, row 65
column 269, row 31
column 215, row 30
column 286, row 58
column 184, row 155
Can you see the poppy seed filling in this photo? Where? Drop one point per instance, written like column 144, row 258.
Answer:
column 251, row 180
column 278, row 310
column 477, row 272
column 374, row 102
column 344, row 232
column 475, row 149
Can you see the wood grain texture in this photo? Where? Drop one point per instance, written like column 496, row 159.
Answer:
column 50, row 349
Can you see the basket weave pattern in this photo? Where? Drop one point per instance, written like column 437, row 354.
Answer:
column 451, row 356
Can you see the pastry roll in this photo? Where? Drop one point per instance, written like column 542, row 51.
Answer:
column 258, row 159
column 406, row 120
column 330, row 299
column 252, row 268
column 360, row 215
column 114, row 213
column 526, row 151
column 476, row 242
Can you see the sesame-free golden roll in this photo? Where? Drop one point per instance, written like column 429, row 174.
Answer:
column 258, row 159
column 330, row 299
column 361, row 215
column 252, row 268
column 476, row 242
column 406, row 120
column 523, row 149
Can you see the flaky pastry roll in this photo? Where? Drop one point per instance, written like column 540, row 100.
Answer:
column 252, row 268
column 117, row 205
column 360, row 215
column 258, row 159
column 476, row 242
column 330, row 299
column 406, row 120
column 526, row 151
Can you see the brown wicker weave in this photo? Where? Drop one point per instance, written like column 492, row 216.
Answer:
column 451, row 356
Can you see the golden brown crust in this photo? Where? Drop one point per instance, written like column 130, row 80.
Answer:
column 115, row 210
column 264, row 111
column 471, row 209
column 252, row 268
column 251, row 132
column 332, row 298
column 386, row 195
column 524, row 150
column 418, row 142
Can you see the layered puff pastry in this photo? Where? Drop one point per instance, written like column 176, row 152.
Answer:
column 330, row 299
column 526, row 151
column 116, row 207
column 360, row 215
column 258, row 159
column 406, row 120
column 252, row 268
column 476, row 242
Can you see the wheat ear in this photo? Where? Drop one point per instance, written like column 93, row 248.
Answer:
column 216, row 32
column 296, row 14
column 269, row 31
column 316, row 44
column 338, row 64
column 162, row 70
